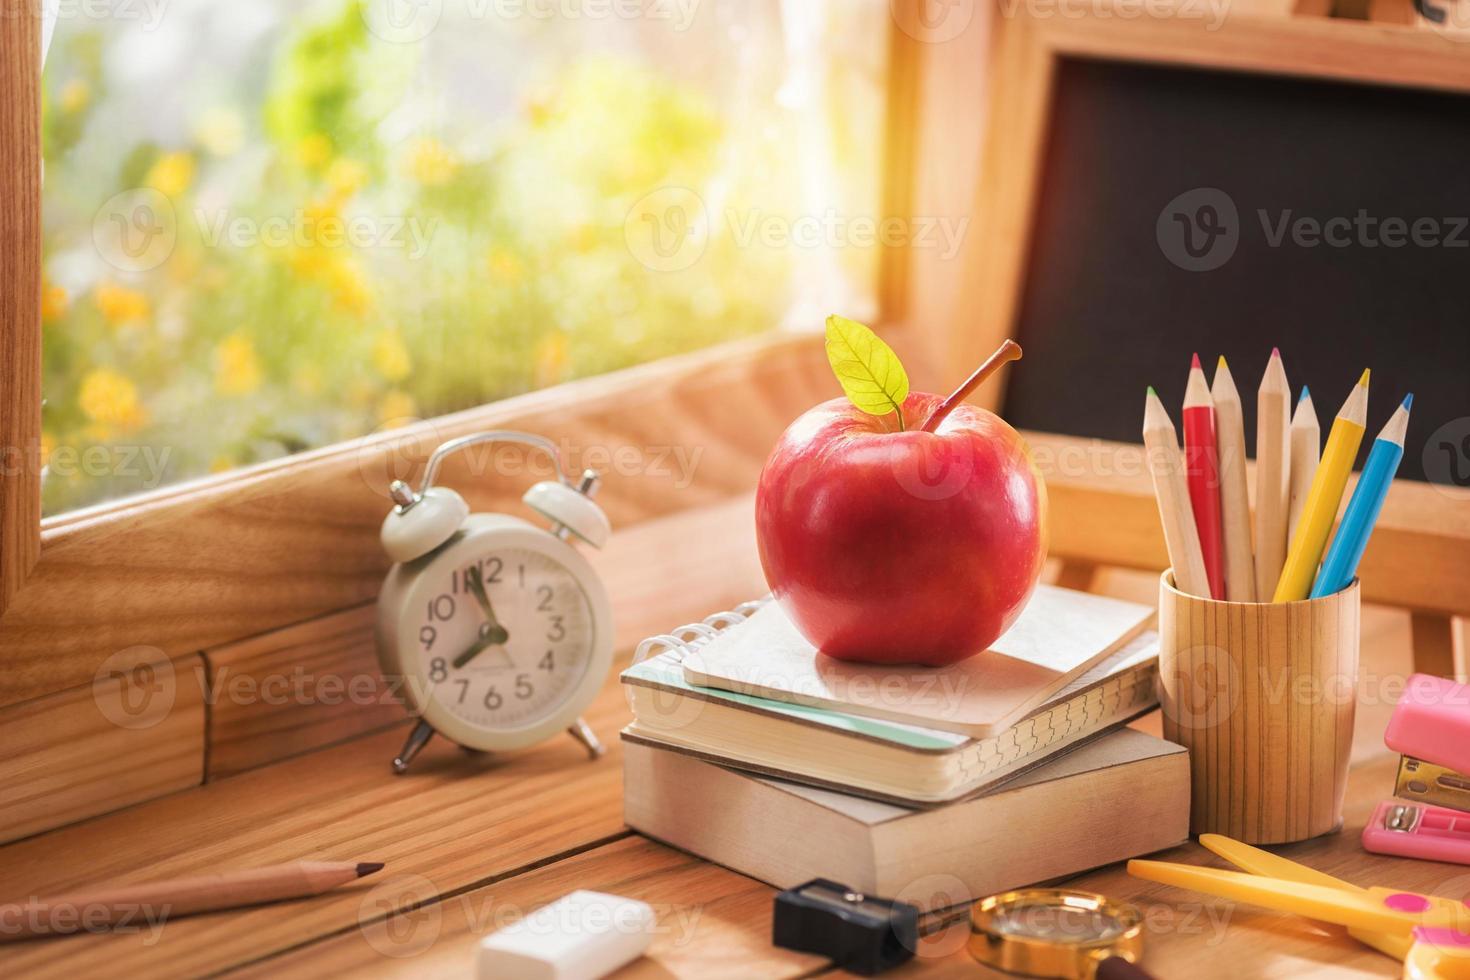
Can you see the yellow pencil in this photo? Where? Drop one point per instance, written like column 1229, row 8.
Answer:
column 1320, row 510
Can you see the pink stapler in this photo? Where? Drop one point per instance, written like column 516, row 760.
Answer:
column 1430, row 730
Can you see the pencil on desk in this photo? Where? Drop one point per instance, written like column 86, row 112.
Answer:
column 1320, row 510
column 1201, row 464
column 1306, row 448
column 1346, row 550
column 1235, row 503
column 1166, row 466
column 105, row 907
column 1273, row 474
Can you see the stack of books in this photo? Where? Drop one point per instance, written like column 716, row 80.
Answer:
column 938, row 785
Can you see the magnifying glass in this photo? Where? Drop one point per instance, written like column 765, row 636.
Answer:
column 1058, row 932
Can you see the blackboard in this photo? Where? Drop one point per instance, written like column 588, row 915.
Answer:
column 1114, row 298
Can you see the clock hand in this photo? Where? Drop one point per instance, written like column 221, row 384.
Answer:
column 477, row 588
column 495, row 634
column 487, row 640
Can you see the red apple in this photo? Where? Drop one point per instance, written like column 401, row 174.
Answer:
column 911, row 546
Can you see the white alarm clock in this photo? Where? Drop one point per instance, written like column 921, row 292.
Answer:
column 500, row 631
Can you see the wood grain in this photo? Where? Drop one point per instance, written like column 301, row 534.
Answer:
column 711, row 922
column 195, row 566
column 136, row 734
column 1263, row 695
column 294, row 690
column 484, row 826
column 458, row 820
column 20, row 294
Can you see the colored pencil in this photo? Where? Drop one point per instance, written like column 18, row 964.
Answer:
column 1167, row 467
column 1273, row 473
column 1235, row 501
column 1320, row 510
column 1346, row 550
column 1202, row 465
column 154, row 901
column 1306, row 449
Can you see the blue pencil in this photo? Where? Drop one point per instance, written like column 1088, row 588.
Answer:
column 1346, row 550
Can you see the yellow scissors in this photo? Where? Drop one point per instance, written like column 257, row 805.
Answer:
column 1430, row 934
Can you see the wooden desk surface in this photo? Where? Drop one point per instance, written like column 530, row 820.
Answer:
column 471, row 840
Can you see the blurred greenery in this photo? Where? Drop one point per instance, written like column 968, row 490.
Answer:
column 496, row 258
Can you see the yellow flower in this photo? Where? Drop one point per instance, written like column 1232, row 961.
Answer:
column 349, row 286
column 345, row 177
column 430, row 162
column 74, row 95
column 119, row 304
column 221, row 131
column 314, row 151
column 171, row 174
column 54, row 300
column 236, row 365
column 396, row 408
column 506, row 267
column 48, row 446
column 391, row 357
column 110, row 399
column 221, row 464
column 324, row 226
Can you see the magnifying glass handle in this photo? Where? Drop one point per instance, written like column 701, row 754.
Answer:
column 1117, row 968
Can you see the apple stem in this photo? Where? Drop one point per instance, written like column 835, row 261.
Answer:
column 1009, row 351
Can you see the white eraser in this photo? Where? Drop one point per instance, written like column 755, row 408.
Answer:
column 583, row 936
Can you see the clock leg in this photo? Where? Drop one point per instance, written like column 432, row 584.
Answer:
column 421, row 733
column 583, row 733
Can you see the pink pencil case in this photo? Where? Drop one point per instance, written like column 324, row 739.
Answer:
column 1430, row 729
column 1416, row 830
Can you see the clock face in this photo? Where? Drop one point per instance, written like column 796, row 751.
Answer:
column 509, row 657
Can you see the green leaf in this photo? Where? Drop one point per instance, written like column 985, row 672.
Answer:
column 870, row 373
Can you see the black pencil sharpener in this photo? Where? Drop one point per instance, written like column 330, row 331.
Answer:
column 857, row 932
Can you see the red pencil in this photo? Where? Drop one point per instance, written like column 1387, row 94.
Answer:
column 1202, row 464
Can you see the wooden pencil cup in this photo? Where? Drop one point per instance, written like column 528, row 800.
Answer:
column 1263, row 696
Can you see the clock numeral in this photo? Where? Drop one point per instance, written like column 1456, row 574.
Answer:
column 548, row 662
column 441, row 607
column 523, row 687
column 493, row 700
column 544, row 594
column 464, row 687
column 490, row 569
column 438, row 669
column 557, row 631
column 427, row 636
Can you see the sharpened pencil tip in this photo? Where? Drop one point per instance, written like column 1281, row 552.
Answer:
column 365, row 868
column 1276, row 353
column 1221, row 363
column 1194, row 363
column 1306, row 393
column 1151, row 393
column 1408, row 401
column 1364, row 379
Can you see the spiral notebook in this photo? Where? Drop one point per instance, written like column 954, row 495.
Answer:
column 895, row 762
column 1061, row 634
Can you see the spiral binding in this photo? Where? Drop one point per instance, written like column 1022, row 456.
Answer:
column 691, row 636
